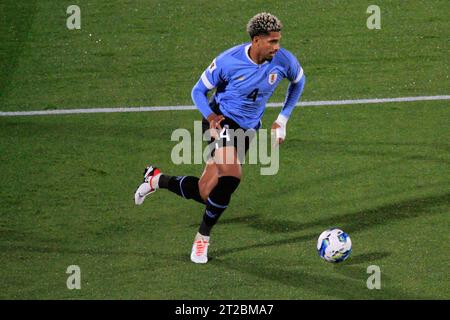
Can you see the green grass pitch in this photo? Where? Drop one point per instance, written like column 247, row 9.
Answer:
column 380, row 172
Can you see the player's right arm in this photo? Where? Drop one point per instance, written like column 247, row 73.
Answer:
column 210, row 79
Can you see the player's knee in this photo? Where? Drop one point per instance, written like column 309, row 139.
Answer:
column 230, row 170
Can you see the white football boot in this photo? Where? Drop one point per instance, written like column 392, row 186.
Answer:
column 150, row 184
column 199, row 252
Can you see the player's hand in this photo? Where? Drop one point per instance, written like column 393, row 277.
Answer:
column 214, row 124
column 279, row 131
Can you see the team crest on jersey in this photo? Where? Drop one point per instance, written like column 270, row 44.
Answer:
column 273, row 78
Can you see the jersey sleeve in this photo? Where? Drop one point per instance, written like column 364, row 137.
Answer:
column 294, row 69
column 294, row 73
column 212, row 77
column 214, row 74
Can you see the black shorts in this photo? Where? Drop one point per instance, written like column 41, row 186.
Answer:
column 231, row 135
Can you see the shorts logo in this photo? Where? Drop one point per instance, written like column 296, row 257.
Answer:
column 273, row 78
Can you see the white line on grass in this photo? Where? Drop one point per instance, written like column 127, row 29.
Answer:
column 167, row 108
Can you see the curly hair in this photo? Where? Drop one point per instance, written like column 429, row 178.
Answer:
column 263, row 23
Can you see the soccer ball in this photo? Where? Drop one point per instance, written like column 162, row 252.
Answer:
column 334, row 245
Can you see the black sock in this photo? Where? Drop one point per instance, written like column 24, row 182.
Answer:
column 217, row 202
column 164, row 181
column 184, row 186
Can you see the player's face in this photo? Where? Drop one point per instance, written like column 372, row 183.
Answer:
column 268, row 45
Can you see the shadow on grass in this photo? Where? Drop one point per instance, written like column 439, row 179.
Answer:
column 351, row 222
column 346, row 280
column 342, row 281
column 354, row 286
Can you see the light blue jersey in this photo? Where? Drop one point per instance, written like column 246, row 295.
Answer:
column 244, row 87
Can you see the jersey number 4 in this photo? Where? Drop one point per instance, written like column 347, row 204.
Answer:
column 253, row 95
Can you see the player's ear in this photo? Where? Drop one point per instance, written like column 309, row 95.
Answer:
column 256, row 40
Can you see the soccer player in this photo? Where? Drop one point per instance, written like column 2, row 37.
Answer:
column 244, row 77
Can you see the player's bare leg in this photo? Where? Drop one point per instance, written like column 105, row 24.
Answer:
column 209, row 179
column 210, row 175
column 227, row 162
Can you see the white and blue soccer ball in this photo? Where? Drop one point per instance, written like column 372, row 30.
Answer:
column 334, row 245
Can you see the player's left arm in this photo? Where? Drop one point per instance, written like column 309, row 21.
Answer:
column 294, row 92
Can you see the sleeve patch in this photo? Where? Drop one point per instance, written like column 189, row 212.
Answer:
column 212, row 66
